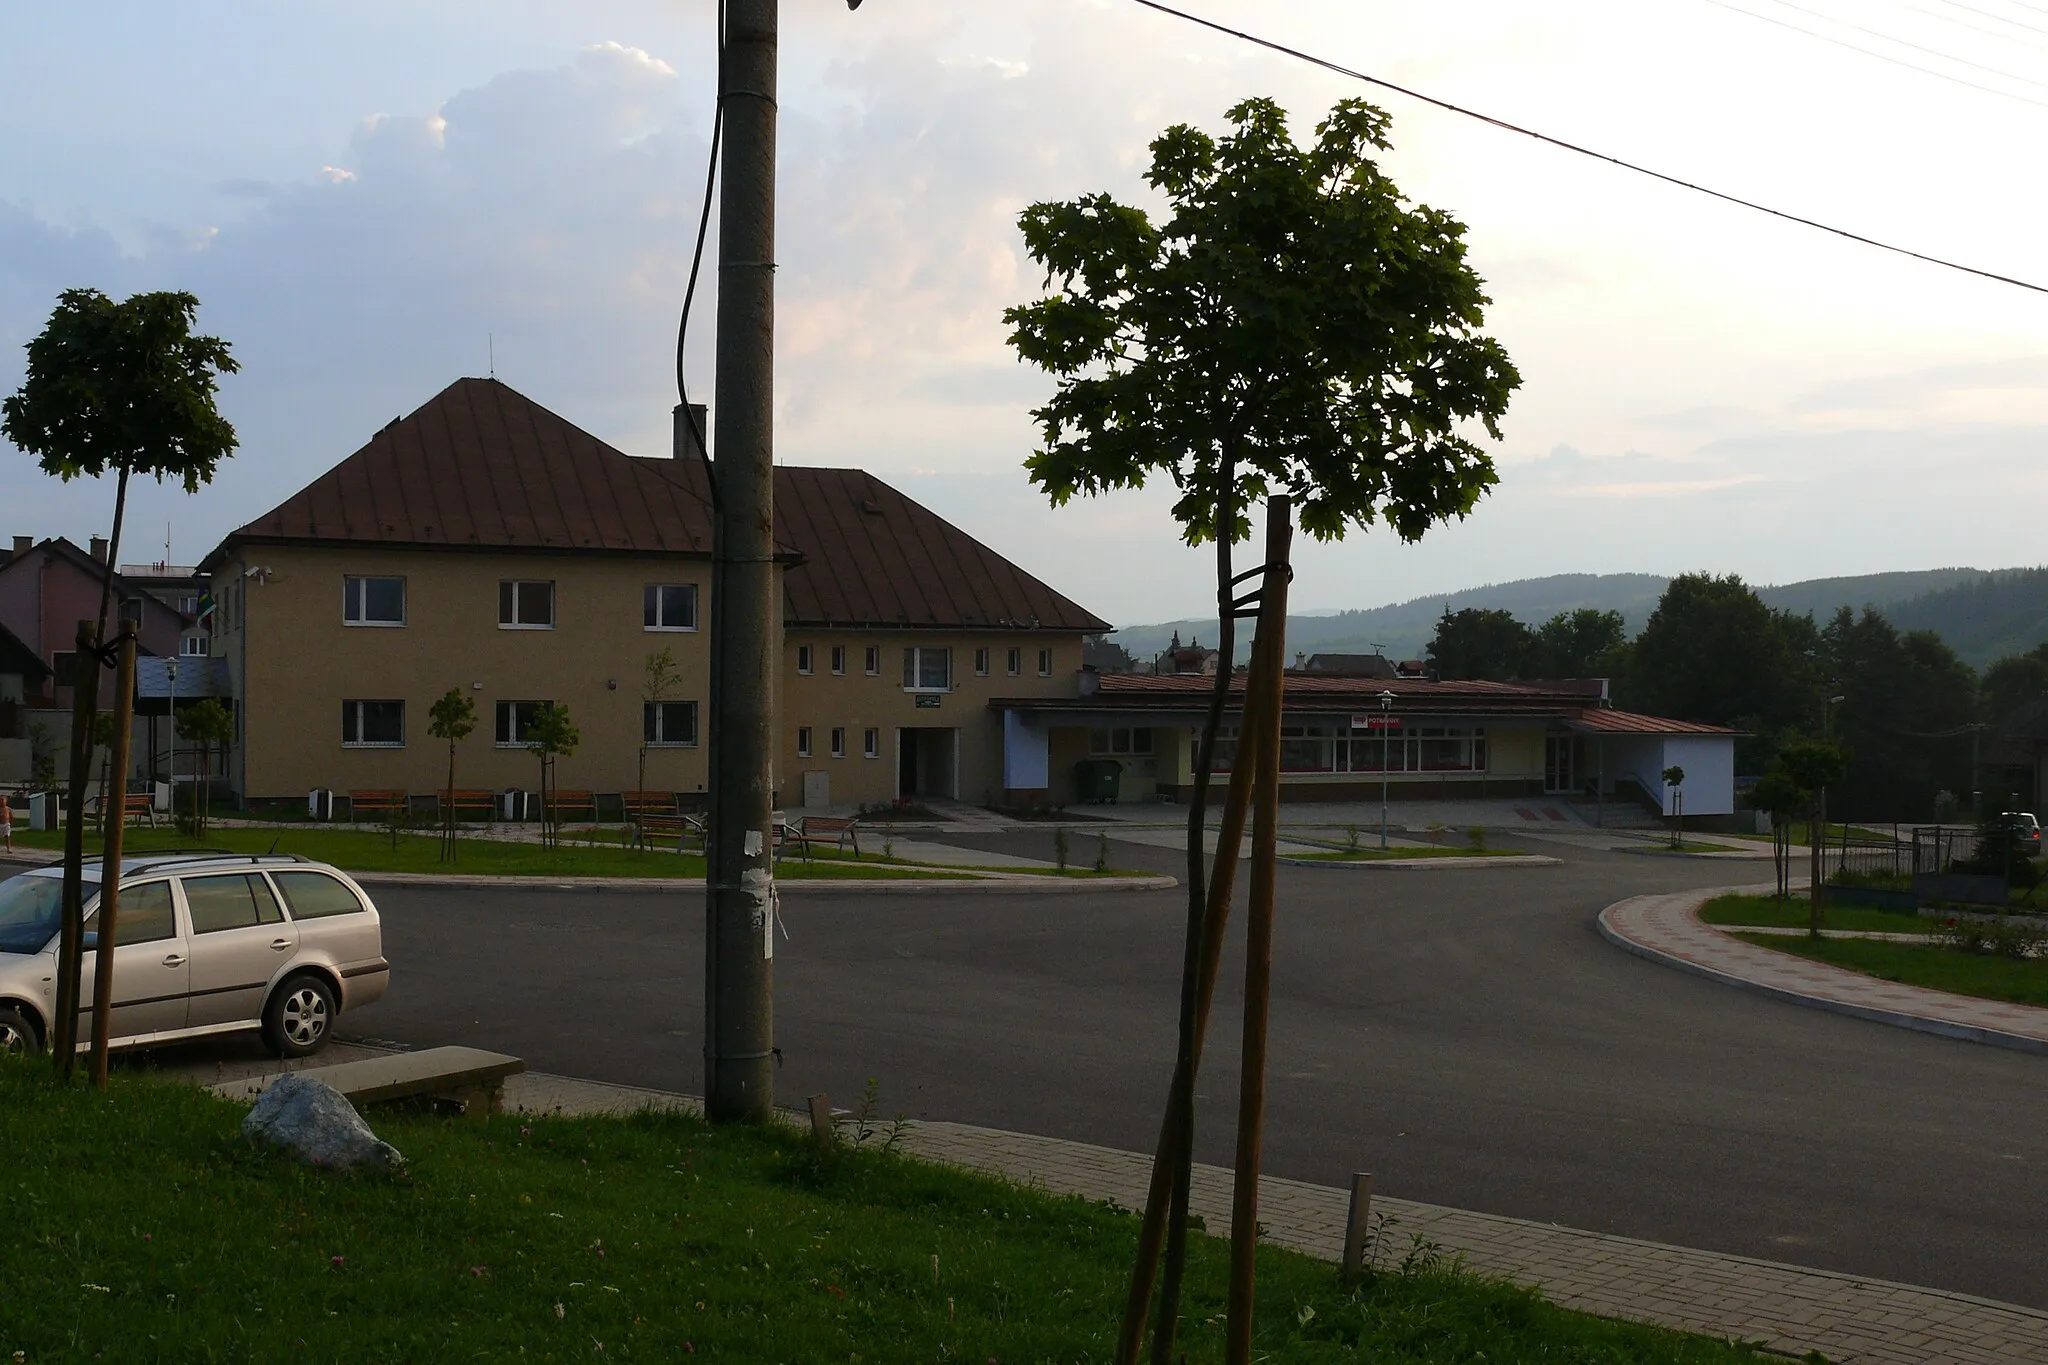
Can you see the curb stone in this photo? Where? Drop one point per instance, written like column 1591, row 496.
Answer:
column 1428, row 864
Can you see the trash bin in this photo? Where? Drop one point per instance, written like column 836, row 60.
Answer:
column 1097, row 780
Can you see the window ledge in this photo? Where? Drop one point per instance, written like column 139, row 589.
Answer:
column 366, row 744
column 514, row 625
column 669, row 630
column 372, row 625
column 669, row 744
column 928, row 690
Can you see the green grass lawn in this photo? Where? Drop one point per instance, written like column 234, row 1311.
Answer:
column 1373, row 855
column 142, row 1227
column 2020, row 982
column 370, row 850
column 1769, row 911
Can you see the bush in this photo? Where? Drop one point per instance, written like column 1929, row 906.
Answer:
column 1994, row 937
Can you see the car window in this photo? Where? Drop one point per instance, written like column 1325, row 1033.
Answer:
column 145, row 915
column 315, row 895
column 29, row 907
column 236, row 901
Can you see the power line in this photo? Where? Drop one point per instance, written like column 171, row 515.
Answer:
column 1887, row 57
column 1505, row 126
column 1985, row 13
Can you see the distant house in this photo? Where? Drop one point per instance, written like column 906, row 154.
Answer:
column 1351, row 665
column 488, row 545
column 1186, row 658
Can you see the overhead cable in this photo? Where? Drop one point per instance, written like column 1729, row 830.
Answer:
column 1574, row 147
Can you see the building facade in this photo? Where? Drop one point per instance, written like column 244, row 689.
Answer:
column 486, row 546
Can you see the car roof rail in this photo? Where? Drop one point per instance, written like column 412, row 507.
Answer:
column 175, row 857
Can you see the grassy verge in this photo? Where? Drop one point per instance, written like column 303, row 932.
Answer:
column 1988, row 978
column 144, row 1228
column 374, row 851
column 1373, row 855
column 1770, row 912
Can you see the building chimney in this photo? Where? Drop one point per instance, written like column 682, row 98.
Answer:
column 689, row 437
column 23, row 544
column 99, row 549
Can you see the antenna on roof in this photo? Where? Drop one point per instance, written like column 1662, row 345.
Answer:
column 491, row 351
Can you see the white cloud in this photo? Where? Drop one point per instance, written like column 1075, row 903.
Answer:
column 336, row 175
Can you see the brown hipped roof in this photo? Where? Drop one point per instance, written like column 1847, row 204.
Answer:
column 873, row 557
column 480, row 466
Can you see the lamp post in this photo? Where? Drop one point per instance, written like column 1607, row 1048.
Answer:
column 1386, row 744
column 1827, row 735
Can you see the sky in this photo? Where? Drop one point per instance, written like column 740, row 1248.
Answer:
column 374, row 198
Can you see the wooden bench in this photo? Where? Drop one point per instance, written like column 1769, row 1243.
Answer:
column 465, row 801
column 841, row 830
column 378, row 801
column 682, row 828
column 566, row 802
column 468, row 1075
column 134, row 806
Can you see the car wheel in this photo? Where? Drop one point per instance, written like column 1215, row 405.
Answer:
column 299, row 1016
column 18, row 1036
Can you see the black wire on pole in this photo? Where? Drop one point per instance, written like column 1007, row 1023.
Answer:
column 1505, row 126
column 697, row 258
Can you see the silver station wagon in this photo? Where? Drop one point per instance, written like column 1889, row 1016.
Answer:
column 206, row 943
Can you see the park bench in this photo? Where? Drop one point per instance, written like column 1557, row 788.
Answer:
column 467, row 802
column 568, row 804
column 841, row 831
column 467, row 1075
column 383, row 802
column 682, row 828
column 134, row 806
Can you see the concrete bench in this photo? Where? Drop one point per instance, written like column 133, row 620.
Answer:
column 469, row 1075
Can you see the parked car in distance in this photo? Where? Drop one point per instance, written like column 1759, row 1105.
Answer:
column 206, row 943
column 2024, row 831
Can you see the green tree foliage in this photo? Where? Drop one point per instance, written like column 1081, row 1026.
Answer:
column 1904, row 697
column 1580, row 644
column 1782, row 798
column 452, row 717
column 1482, row 643
column 1812, row 766
column 551, row 736
column 1713, row 652
column 2013, row 681
column 1293, row 326
column 211, row 726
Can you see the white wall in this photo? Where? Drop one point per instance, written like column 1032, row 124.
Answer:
column 1709, row 763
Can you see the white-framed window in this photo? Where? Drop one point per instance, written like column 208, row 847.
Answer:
column 1013, row 662
column 372, row 601
column 195, row 646
column 188, row 604
column 1121, row 741
column 981, row 663
column 803, row 658
column 526, row 605
column 668, row 606
column 373, row 724
column 927, row 669
column 839, row 659
column 515, row 722
column 871, row 743
column 874, row 661
column 803, row 741
column 838, row 742
column 1045, row 663
column 669, row 724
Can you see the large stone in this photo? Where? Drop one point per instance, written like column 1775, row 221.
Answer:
column 316, row 1123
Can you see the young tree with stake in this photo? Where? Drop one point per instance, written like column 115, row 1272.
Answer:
column 1813, row 766
column 122, row 388
column 1674, row 778
column 1293, row 326
column 212, row 727
column 551, row 736
column 452, row 717
column 659, row 681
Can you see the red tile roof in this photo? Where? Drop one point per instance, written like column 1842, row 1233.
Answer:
column 480, row 466
column 1602, row 721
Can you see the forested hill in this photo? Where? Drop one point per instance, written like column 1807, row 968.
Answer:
column 1982, row 615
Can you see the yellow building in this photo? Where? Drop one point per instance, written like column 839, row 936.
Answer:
column 485, row 545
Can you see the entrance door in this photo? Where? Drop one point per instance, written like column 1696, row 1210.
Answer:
column 1557, row 763
column 927, row 762
column 906, row 763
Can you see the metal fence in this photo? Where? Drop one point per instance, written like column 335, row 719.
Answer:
column 1923, row 849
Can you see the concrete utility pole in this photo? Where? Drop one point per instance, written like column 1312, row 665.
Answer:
column 740, row 902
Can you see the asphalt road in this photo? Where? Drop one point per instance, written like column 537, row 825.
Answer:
column 1466, row 1036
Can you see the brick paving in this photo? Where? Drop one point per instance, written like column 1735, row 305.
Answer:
column 1668, row 929
column 1789, row 1309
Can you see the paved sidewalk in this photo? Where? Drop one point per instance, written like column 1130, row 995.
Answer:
column 1668, row 929
column 1788, row 1308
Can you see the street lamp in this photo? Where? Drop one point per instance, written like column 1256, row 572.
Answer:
column 1386, row 724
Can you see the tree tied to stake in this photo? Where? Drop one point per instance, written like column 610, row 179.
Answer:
column 122, row 388
column 452, row 717
column 1293, row 326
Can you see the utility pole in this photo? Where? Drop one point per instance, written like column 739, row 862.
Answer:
column 745, row 626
